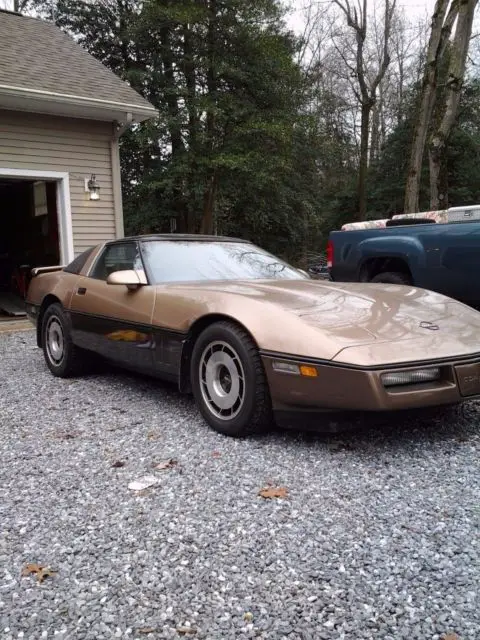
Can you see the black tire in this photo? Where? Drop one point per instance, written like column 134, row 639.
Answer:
column 254, row 411
column 70, row 360
column 392, row 277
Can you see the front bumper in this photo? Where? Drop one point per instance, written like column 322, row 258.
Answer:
column 339, row 388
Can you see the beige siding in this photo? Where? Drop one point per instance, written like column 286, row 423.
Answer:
column 76, row 147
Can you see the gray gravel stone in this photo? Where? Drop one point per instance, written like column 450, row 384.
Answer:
column 377, row 539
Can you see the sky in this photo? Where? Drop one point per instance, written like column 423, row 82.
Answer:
column 413, row 9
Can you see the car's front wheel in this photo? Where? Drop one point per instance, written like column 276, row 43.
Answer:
column 229, row 382
column 63, row 358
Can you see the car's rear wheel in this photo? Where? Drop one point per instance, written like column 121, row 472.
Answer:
column 229, row 382
column 63, row 358
column 392, row 277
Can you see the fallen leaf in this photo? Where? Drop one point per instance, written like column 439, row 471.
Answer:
column 118, row 463
column 449, row 636
column 185, row 631
column 40, row 571
column 166, row 464
column 273, row 492
column 216, row 454
column 151, row 435
column 30, row 568
column 45, row 573
column 146, row 630
column 248, row 617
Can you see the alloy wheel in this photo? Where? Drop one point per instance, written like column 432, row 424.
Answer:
column 222, row 380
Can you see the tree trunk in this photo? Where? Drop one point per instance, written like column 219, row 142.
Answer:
column 212, row 178
column 438, row 181
column 193, row 124
column 208, row 220
column 170, row 88
column 456, row 73
column 440, row 33
column 375, row 133
column 19, row 5
column 363, row 168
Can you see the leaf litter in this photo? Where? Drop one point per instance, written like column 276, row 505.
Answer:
column 185, row 631
column 165, row 464
column 39, row 570
column 273, row 492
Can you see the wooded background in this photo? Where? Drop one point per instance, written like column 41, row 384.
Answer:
column 280, row 137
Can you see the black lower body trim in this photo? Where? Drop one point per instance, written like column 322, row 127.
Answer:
column 318, row 421
column 331, row 422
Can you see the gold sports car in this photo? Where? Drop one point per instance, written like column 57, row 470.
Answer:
column 253, row 338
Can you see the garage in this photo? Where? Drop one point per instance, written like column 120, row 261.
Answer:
column 60, row 125
column 30, row 237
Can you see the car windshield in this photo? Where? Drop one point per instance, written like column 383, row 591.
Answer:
column 190, row 261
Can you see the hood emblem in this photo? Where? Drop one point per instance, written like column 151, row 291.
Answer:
column 429, row 325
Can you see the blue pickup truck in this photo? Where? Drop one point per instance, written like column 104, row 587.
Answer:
column 440, row 257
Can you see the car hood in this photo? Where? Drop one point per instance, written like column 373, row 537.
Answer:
column 364, row 323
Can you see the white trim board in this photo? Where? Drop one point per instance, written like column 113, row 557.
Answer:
column 64, row 211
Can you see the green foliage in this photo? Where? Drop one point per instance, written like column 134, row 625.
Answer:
column 245, row 143
column 235, row 148
column 463, row 170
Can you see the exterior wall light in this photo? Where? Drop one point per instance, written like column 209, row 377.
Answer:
column 92, row 187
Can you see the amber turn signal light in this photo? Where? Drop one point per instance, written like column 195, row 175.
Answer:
column 308, row 372
column 295, row 369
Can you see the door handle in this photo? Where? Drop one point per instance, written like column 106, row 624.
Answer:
column 81, row 291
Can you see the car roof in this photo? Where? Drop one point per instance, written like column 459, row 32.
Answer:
column 184, row 237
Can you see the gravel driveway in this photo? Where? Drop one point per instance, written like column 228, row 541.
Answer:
column 377, row 538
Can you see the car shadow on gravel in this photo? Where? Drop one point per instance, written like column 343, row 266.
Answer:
column 458, row 425
column 344, row 431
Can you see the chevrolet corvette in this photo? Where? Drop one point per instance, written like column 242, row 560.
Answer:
column 254, row 339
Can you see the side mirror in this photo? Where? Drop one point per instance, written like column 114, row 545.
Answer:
column 130, row 279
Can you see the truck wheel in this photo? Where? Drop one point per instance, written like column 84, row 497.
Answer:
column 392, row 277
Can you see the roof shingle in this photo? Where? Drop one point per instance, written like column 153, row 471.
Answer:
column 37, row 55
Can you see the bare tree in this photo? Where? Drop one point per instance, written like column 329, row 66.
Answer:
column 409, row 43
column 455, row 76
column 405, row 49
column 366, row 82
column 441, row 27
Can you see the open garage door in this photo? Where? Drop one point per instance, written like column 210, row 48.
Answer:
column 29, row 237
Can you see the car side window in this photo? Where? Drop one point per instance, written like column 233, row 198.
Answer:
column 123, row 256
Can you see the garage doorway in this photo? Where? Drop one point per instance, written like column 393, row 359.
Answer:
column 35, row 231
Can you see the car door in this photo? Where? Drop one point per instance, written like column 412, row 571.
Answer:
column 110, row 319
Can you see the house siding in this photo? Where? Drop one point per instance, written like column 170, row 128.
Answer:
column 76, row 147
